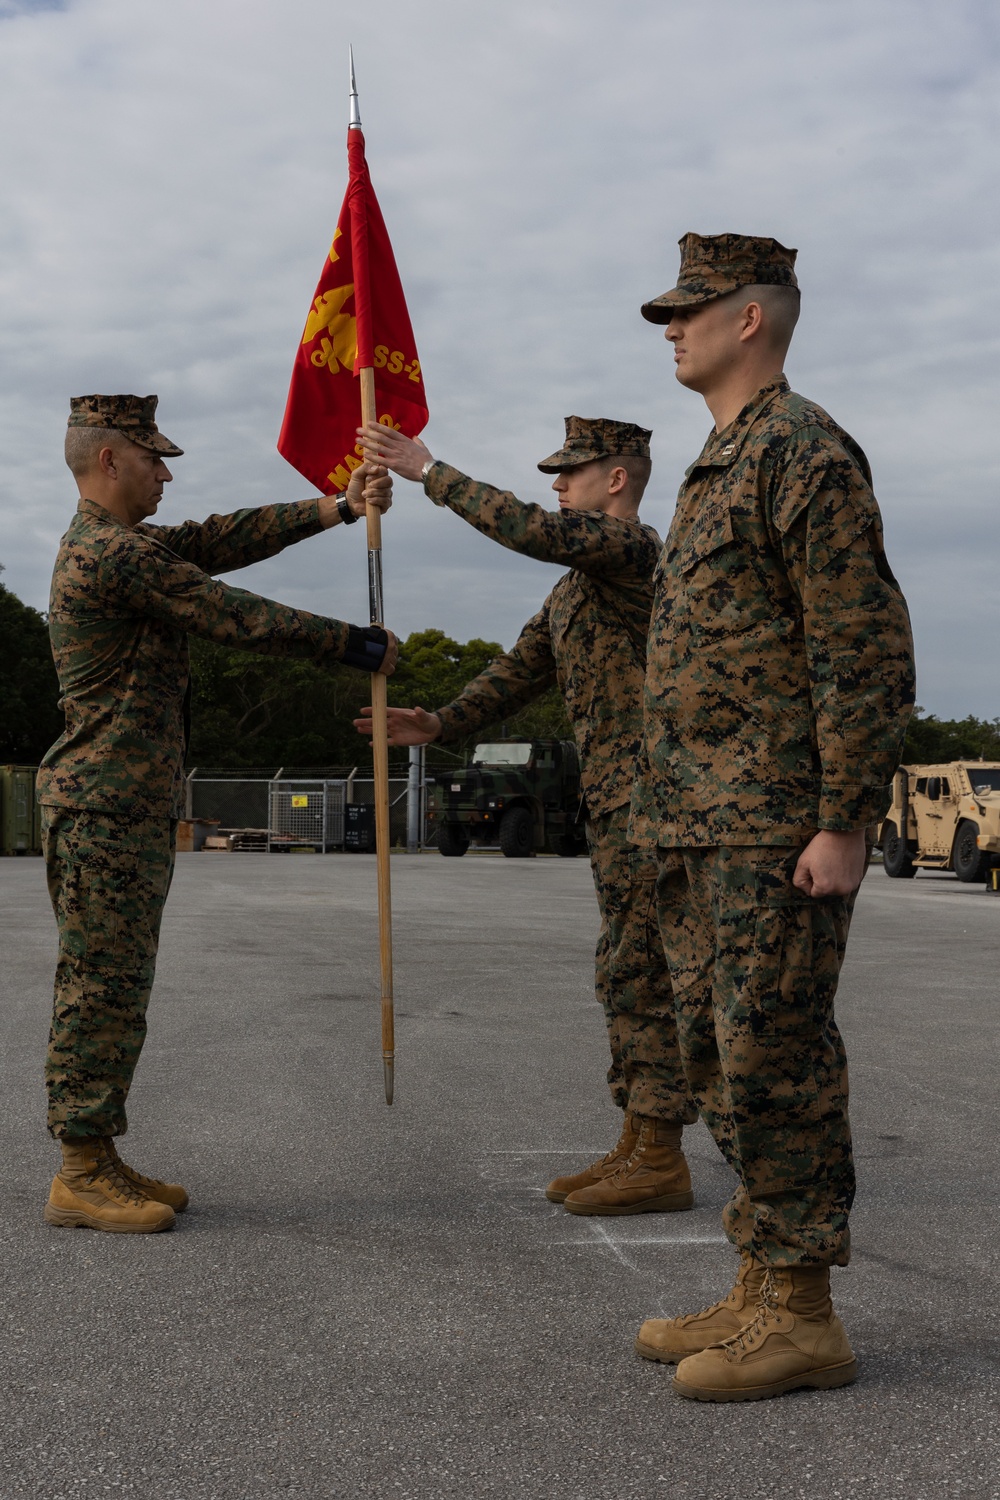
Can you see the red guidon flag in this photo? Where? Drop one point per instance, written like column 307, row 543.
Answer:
column 358, row 320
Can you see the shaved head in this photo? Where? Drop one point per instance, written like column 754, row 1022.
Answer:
column 83, row 444
column 780, row 305
column 636, row 466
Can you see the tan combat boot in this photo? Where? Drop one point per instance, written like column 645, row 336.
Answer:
column 89, row 1192
column 654, row 1179
column 672, row 1339
column 561, row 1187
column 170, row 1193
column 795, row 1339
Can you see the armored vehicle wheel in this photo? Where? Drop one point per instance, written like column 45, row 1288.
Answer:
column 896, row 862
column 517, row 833
column 452, row 841
column 967, row 859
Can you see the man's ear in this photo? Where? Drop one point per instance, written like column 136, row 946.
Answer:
column 106, row 462
column 617, row 480
column 751, row 321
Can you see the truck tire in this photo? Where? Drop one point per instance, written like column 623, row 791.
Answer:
column 452, row 842
column 896, row 861
column 967, row 859
column 517, row 833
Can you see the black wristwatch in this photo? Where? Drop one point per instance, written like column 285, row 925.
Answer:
column 346, row 513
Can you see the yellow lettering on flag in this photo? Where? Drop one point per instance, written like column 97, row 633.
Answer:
column 339, row 477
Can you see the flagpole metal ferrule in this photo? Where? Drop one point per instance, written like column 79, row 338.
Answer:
column 376, row 605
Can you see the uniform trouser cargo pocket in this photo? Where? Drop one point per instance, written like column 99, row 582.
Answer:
column 755, row 964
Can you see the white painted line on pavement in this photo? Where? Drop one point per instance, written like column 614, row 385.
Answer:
column 600, row 1238
column 605, row 1242
column 648, row 1239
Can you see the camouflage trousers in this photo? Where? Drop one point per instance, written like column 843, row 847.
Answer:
column 631, row 978
column 755, row 965
column 108, row 878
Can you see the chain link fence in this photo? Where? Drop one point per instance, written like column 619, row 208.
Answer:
column 286, row 808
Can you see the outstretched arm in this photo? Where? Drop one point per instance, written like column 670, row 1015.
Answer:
column 221, row 544
column 594, row 543
column 511, row 681
column 149, row 582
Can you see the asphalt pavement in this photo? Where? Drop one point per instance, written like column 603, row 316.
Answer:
column 374, row 1302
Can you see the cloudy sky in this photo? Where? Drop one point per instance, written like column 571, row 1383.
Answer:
column 171, row 175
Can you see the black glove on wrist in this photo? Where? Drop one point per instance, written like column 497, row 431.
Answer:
column 366, row 647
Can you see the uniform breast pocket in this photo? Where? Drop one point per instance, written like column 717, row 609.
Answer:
column 722, row 595
column 719, row 589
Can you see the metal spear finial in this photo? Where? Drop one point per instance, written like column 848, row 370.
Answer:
column 355, row 121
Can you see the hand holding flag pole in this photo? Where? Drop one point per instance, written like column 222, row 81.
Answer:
column 353, row 368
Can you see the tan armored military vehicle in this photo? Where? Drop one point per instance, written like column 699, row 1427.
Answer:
column 951, row 817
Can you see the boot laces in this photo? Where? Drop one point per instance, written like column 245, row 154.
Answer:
column 138, row 1177
column 108, row 1171
column 129, row 1173
column 765, row 1313
column 617, row 1150
column 638, row 1151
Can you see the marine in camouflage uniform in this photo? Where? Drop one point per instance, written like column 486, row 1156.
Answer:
column 589, row 638
column 124, row 599
column 779, row 684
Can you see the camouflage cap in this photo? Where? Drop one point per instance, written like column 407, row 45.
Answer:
column 132, row 416
column 714, row 264
column 588, row 438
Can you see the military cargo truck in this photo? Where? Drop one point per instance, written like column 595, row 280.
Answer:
column 944, row 817
column 521, row 794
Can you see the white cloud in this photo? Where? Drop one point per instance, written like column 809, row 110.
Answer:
column 178, row 169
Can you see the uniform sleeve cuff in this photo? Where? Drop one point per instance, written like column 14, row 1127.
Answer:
column 302, row 519
column 452, row 727
column 844, row 809
column 439, row 480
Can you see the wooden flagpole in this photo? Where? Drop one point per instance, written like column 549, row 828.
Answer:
column 380, row 734
column 380, row 755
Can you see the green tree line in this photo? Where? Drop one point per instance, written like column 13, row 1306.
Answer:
column 250, row 710
column 930, row 739
column 30, row 716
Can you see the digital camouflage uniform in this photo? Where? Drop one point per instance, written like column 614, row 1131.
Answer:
column 123, row 602
column 779, row 684
column 590, row 638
